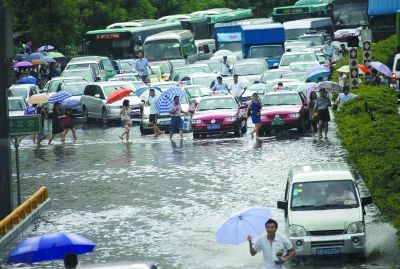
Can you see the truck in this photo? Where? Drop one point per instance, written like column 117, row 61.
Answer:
column 382, row 18
column 263, row 41
column 228, row 35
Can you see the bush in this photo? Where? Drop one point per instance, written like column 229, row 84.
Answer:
column 374, row 145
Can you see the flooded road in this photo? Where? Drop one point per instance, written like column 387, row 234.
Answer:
column 162, row 201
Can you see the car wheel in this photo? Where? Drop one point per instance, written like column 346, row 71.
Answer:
column 144, row 131
column 85, row 115
column 104, row 117
column 196, row 135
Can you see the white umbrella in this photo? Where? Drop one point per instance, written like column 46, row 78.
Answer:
column 329, row 86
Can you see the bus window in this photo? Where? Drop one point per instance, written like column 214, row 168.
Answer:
column 162, row 50
column 188, row 46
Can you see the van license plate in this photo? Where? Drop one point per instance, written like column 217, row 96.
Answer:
column 328, row 251
column 165, row 122
column 214, row 127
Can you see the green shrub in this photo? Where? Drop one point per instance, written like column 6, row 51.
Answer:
column 374, row 145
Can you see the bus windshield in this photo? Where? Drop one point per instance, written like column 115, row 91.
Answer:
column 162, row 50
column 273, row 51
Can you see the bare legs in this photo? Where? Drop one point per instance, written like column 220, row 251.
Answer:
column 322, row 125
column 64, row 134
column 125, row 132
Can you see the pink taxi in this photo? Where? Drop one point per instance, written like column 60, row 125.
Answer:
column 219, row 115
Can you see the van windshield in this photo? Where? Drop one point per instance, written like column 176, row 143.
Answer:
column 324, row 195
column 293, row 34
column 162, row 50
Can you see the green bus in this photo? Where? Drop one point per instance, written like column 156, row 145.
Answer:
column 302, row 10
column 124, row 42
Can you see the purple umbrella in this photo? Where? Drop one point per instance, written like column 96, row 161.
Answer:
column 22, row 64
column 380, row 67
column 316, row 68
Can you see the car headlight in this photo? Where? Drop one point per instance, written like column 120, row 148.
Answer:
column 295, row 115
column 263, row 117
column 356, row 227
column 196, row 121
column 230, row 119
column 297, row 231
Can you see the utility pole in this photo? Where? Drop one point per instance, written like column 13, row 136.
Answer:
column 6, row 76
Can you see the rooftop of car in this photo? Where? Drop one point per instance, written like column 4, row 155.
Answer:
column 280, row 92
column 216, row 97
column 21, row 86
column 312, row 172
column 67, row 78
column 86, row 59
column 110, row 83
column 199, row 75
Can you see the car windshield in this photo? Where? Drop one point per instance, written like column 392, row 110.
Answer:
column 293, row 34
column 287, row 59
column 316, row 40
column 274, row 51
column 248, row 69
column 300, row 76
column 198, row 92
column 162, row 50
column 86, row 74
column 217, row 103
column 75, row 89
column 109, row 89
column 215, row 66
column 323, row 195
column 83, row 65
column 281, row 99
column 205, row 81
column 192, row 69
column 19, row 92
column 301, row 67
column 232, row 46
column 126, row 66
column 271, row 75
column 15, row 105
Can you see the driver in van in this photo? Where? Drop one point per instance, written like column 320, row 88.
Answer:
column 340, row 193
column 305, row 197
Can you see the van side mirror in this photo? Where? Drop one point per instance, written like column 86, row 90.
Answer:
column 282, row 205
column 97, row 95
column 366, row 200
column 98, row 78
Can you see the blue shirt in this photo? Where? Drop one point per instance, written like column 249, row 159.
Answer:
column 329, row 49
column 219, row 87
column 141, row 66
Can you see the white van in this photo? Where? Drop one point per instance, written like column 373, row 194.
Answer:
column 394, row 83
column 324, row 211
column 294, row 29
column 170, row 45
column 205, row 48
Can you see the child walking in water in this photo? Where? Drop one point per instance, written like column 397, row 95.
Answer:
column 68, row 124
column 126, row 120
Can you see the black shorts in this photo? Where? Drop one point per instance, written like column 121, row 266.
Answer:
column 153, row 118
column 323, row 115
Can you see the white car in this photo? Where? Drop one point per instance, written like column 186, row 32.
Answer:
column 324, row 212
column 16, row 106
column 23, row 90
column 301, row 56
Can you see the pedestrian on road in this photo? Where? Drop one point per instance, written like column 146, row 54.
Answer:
column 70, row 261
column 56, row 127
column 345, row 96
column 255, row 107
column 125, row 119
column 277, row 248
column 154, row 113
column 237, row 88
column 175, row 110
column 312, row 113
column 141, row 65
column 225, row 67
column 329, row 50
column 40, row 110
column 322, row 106
column 220, row 87
column 68, row 124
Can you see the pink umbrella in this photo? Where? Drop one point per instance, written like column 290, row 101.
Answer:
column 380, row 67
column 22, row 64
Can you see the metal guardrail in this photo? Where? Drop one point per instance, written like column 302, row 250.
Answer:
column 22, row 211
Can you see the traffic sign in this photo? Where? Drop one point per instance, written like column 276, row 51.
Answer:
column 353, row 68
column 367, row 55
column 25, row 125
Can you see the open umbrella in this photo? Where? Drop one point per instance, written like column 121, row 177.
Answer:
column 49, row 59
column 20, row 57
column 363, row 68
column 35, row 56
column 71, row 102
column 22, row 64
column 55, row 54
column 59, row 97
column 314, row 76
column 39, row 62
column 380, row 67
column 27, row 80
column 241, row 224
column 118, row 95
column 146, row 93
column 45, row 48
column 141, row 90
column 329, row 86
column 317, row 68
column 167, row 97
column 346, row 69
column 38, row 99
column 50, row 247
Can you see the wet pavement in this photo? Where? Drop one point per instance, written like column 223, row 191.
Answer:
column 156, row 200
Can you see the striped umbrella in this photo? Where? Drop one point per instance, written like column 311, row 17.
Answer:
column 167, row 98
column 59, row 97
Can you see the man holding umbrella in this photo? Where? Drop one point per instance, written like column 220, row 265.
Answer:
column 175, row 110
column 277, row 248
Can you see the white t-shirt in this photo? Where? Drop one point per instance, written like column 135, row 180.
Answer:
column 280, row 244
column 342, row 98
column 236, row 89
column 152, row 101
column 225, row 70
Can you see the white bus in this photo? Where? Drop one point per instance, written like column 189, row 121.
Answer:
column 294, row 29
column 170, row 45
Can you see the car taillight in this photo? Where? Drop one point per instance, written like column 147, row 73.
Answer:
column 394, row 76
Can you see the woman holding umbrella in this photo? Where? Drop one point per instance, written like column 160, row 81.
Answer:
column 56, row 127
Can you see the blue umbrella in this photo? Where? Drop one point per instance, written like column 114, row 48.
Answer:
column 20, row 57
column 242, row 224
column 317, row 68
column 167, row 97
column 27, row 80
column 59, row 97
column 141, row 90
column 50, row 247
column 71, row 102
column 48, row 59
column 35, row 56
column 313, row 77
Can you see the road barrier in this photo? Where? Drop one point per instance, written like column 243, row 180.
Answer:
column 22, row 211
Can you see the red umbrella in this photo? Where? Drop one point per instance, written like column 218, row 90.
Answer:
column 118, row 95
column 363, row 68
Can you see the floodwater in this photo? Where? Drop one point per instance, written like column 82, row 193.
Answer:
column 160, row 201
